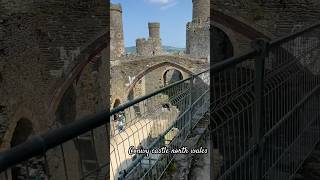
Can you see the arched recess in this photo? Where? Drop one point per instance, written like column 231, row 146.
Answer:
column 21, row 113
column 23, row 130
column 239, row 25
column 221, row 45
column 171, row 75
column 225, row 27
column 228, row 33
column 150, row 69
column 116, row 103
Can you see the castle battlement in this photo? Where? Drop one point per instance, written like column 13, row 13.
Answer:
column 153, row 45
column 154, row 25
column 141, row 39
column 116, row 7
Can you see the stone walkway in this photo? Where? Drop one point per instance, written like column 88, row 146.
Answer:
column 135, row 135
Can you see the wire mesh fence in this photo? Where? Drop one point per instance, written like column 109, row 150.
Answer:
column 271, row 122
column 166, row 125
column 292, row 105
column 83, row 157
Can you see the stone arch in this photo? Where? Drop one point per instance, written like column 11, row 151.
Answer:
column 239, row 25
column 222, row 46
column 176, row 74
column 86, row 55
column 231, row 36
column 23, row 131
column 21, row 113
column 66, row 112
column 150, row 69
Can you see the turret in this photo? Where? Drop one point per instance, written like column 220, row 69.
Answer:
column 116, row 31
column 154, row 30
column 201, row 10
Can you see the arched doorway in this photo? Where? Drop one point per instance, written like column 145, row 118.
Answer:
column 221, row 45
column 22, row 132
column 116, row 103
column 171, row 76
column 33, row 168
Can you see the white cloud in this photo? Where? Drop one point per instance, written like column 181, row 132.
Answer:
column 162, row 2
column 165, row 7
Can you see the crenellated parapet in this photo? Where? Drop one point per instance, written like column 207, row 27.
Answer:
column 116, row 7
column 151, row 46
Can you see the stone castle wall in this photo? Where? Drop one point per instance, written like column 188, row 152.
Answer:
column 40, row 45
column 276, row 17
column 201, row 9
column 117, row 48
column 151, row 46
column 197, row 31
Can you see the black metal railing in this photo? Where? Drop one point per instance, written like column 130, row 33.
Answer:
column 272, row 122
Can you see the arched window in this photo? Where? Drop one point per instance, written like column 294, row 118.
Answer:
column 33, row 168
column 221, row 45
column 171, row 76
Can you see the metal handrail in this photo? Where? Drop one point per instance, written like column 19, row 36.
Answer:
column 39, row 144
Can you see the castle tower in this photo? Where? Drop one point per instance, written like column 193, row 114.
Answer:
column 116, row 32
column 198, row 32
column 152, row 46
column 143, row 48
column 201, row 10
column 154, row 30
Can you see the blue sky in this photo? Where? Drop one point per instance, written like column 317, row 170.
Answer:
column 173, row 16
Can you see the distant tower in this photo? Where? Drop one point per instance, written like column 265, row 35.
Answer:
column 152, row 46
column 198, row 32
column 142, row 47
column 154, row 30
column 116, row 32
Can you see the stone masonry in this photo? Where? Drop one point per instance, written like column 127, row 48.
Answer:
column 117, row 48
column 152, row 46
column 198, row 34
column 41, row 43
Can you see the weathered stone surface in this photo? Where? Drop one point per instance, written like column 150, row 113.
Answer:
column 116, row 32
column 125, row 72
column 151, row 46
column 40, row 44
column 198, row 34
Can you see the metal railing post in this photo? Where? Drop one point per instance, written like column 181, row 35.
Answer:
column 263, row 47
column 190, row 101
